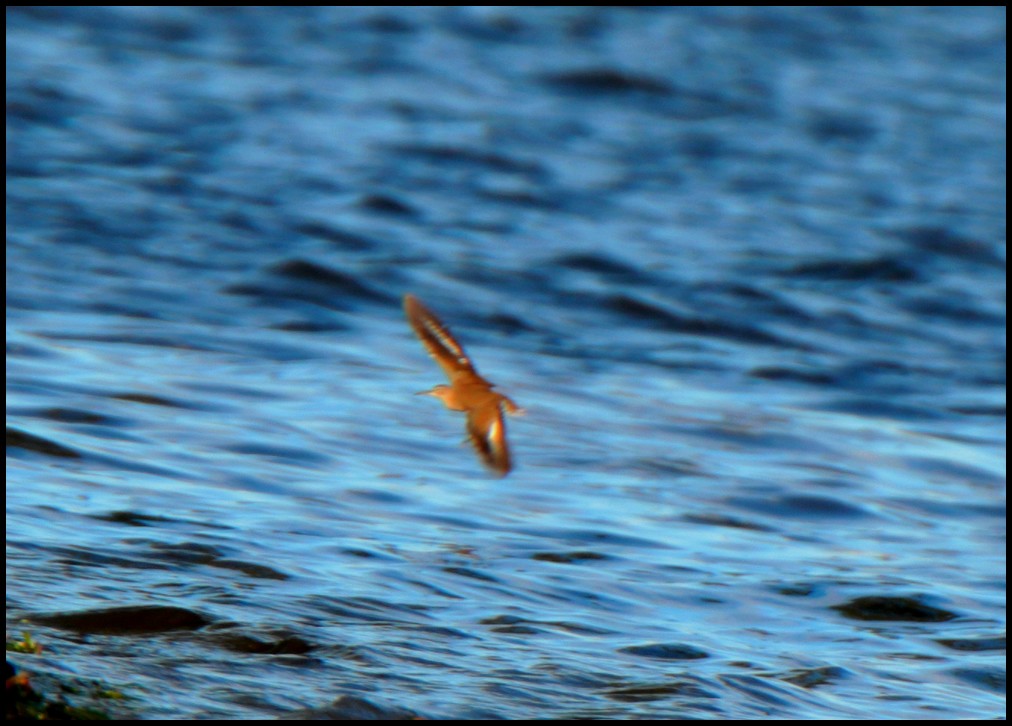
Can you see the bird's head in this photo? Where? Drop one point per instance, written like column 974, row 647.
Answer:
column 440, row 392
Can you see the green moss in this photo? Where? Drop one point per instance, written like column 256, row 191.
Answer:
column 27, row 644
column 40, row 697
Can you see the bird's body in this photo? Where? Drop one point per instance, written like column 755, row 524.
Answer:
column 468, row 391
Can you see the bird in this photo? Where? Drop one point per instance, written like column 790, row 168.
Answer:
column 468, row 390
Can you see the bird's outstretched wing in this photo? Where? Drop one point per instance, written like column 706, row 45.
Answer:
column 487, row 431
column 436, row 338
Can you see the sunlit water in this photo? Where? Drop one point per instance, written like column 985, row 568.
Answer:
column 744, row 269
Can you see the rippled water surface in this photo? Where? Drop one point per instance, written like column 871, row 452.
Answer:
column 744, row 269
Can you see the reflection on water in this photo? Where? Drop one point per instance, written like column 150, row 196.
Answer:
column 746, row 276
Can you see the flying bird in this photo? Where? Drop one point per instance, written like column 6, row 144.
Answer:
column 468, row 391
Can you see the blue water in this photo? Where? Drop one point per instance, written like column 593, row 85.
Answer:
column 743, row 268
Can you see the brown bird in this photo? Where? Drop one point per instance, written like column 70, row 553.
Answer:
column 468, row 391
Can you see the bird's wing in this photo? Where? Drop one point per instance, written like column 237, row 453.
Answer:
column 436, row 338
column 487, row 431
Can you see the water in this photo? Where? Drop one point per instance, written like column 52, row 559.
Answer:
column 744, row 269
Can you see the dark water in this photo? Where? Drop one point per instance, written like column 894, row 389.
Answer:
column 745, row 269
